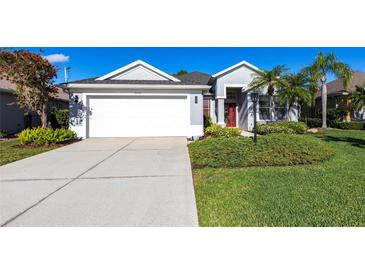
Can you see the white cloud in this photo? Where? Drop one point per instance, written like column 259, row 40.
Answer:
column 57, row 58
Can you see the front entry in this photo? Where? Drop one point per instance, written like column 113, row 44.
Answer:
column 230, row 113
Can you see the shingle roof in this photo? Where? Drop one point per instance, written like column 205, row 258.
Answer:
column 197, row 77
column 337, row 85
column 194, row 78
column 7, row 85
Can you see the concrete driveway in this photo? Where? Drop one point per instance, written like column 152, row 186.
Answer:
column 101, row 182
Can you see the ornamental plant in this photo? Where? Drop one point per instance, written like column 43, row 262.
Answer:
column 33, row 76
column 44, row 136
column 215, row 130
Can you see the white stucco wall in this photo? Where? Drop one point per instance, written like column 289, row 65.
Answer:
column 240, row 76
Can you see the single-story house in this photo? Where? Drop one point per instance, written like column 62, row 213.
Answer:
column 13, row 119
column 141, row 100
column 338, row 96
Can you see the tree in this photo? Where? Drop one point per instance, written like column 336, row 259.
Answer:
column 33, row 76
column 358, row 98
column 323, row 65
column 270, row 79
column 182, row 72
column 294, row 89
column 312, row 84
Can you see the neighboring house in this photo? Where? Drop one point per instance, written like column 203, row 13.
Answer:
column 141, row 100
column 338, row 96
column 14, row 119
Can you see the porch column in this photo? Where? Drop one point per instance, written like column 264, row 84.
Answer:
column 220, row 111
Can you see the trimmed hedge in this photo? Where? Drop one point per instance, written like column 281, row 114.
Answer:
column 43, row 136
column 265, row 129
column 287, row 127
column 298, row 127
column 217, row 131
column 353, row 125
column 313, row 122
column 334, row 114
column 271, row 150
column 60, row 118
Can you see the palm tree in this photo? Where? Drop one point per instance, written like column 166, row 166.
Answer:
column 270, row 79
column 358, row 98
column 312, row 84
column 322, row 65
column 293, row 90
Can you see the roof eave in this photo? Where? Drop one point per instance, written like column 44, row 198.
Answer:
column 135, row 86
column 243, row 63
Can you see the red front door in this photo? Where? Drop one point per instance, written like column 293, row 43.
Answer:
column 231, row 117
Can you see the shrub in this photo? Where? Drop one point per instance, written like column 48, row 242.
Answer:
column 42, row 136
column 271, row 150
column 298, row 127
column 272, row 128
column 313, row 122
column 354, row 125
column 60, row 118
column 334, row 114
column 4, row 133
column 217, row 131
column 207, row 121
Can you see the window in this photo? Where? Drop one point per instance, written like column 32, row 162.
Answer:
column 231, row 94
column 274, row 113
column 279, row 109
column 264, row 108
column 206, row 107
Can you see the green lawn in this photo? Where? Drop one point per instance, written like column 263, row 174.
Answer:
column 331, row 193
column 11, row 151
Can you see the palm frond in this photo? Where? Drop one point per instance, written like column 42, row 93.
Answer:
column 344, row 72
column 358, row 98
column 268, row 78
column 295, row 89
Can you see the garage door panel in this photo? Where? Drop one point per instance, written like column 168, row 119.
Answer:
column 138, row 116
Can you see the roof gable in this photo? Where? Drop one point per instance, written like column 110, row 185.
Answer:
column 138, row 70
column 236, row 66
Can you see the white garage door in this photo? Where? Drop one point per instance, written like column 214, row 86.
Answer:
column 134, row 116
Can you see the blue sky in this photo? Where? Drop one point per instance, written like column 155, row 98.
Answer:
column 92, row 62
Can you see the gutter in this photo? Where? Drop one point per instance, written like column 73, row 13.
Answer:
column 136, row 86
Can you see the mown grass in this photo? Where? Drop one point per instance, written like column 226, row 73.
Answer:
column 331, row 193
column 11, row 151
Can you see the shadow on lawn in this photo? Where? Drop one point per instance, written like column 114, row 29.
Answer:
column 360, row 143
